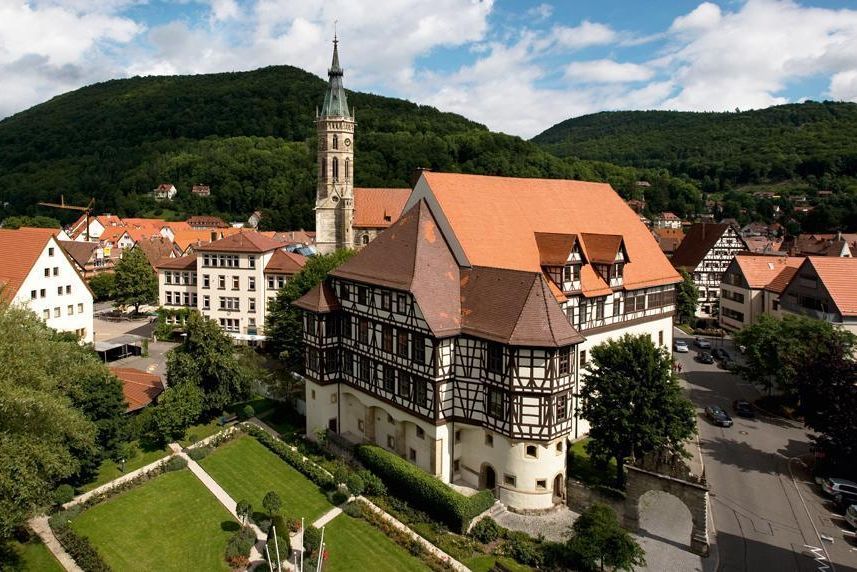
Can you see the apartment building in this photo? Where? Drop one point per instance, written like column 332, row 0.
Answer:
column 456, row 337
column 231, row 280
column 36, row 273
column 751, row 287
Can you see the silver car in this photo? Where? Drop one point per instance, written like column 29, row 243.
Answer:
column 681, row 347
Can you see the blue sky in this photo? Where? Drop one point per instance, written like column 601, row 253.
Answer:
column 516, row 66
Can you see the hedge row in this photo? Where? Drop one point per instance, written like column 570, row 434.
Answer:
column 79, row 548
column 427, row 493
column 309, row 469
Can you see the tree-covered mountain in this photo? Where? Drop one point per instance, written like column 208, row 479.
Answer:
column 251, row 137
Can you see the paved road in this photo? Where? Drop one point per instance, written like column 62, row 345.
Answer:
column 765, row 506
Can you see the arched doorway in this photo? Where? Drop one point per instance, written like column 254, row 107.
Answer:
column 558, row 487
column 488, row 477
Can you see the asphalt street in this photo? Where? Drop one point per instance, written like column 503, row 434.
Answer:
column 768, row 512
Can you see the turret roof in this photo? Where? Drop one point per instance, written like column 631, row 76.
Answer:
column 335, row 101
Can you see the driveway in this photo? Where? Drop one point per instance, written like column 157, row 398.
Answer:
column 767, row 511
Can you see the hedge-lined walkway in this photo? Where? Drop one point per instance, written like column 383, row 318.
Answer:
column 40, row 526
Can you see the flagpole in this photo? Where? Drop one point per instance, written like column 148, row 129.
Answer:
column 320, row 551
column 268, row 553
column 302, row 544
column 277, row 549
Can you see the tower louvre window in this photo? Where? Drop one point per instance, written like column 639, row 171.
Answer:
column 335, row 141
column 335, row 169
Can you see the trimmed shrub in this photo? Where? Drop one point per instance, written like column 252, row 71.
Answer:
column 285, row 524
column 338, row 497
column 198, row 453
column 247, row 412
column 282, row 543
column 310, row 470
column 522, row 548
column 424, row 491
column 372, row 485
column 238, row 547
column 175, row 463
column 63, row 494
column 486, row 530
column 355, row 484
column 79, row 548
column 354, row 509
column 312, row 538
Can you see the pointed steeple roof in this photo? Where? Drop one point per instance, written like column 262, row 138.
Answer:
column 335, row 102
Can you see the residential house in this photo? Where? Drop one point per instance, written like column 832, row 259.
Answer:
column 206, row 222
column 668, row 239
column 37, row 274
column 456, row 337
column 821, row 244
column 667, row 220
column 156, row 249
column 749, row 287
column 201, row 190
column 79, row 230
column 705, row 253
column 823, row 288
column 164, row 192
column 88, row 257
column 139, row 388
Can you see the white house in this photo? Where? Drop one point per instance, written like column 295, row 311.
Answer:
column 165, row 192
column 36, row 273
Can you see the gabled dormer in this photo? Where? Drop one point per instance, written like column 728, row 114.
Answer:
column 607, row 255
column 561, row 259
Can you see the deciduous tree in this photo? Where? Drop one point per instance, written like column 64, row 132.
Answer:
column 272, row 503
column 633, row 402
column 687, row 297
column 597, row 540
column 179, row 406
column 136, row 282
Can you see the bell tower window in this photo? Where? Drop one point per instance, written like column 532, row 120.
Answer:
column 347, row 169
column 335, row 167
column 335, row 141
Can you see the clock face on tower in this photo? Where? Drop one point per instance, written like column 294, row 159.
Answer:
column 347, row 142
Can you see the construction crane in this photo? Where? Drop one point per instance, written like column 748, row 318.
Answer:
column 86, row 210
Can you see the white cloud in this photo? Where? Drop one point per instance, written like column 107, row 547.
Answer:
column 703, row 17
column 583, row 36
column 843, row 85
column 540, row 12
column 607, row 71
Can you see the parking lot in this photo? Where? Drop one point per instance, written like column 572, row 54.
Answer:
column 768, row 511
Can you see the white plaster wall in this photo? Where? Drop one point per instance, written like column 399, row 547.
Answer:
column 243, row 293
column 36, row 280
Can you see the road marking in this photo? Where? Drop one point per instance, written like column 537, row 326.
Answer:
column 847, row 532
column 822, row 559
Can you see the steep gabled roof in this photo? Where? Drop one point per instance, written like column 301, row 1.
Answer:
column 601, row 248
column 139, row 387
column 283, row 262
column 513, row 307
column 839, row 276
column 155, row 249
column 320, row 299
column 413, row 256
column 79, row 251
column 247, row 241
column 700, row 238
column 19, row 251
column 760, row 270
column 378, row 208
column 180, row 263
column 554, row 248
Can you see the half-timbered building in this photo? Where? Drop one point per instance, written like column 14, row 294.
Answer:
column 705, row 253
column 456, row 337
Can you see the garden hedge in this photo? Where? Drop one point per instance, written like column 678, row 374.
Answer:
column 309, row 469
column 79, row 548
column 422, row 490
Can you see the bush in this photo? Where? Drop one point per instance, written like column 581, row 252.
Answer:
column 285, row 524
column 198, row 453
column 355, row 484
column 522, row 548
column 372, row 485
column 423, row 490
column 238, row 547
column 354, row 509
column 338, row 497
column 310, row 470
column 63, row 494
column 79, row 548
column 175, row 463
column 247, row 412
column 103, row 286
column 282, row 543
column 312, row 538
column 487, row 530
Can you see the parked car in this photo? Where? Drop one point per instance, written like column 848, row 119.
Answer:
column 717, row 416
column 843, row 491
column 851, row 515
column 743, row 409
column 720, row 354
column 705, row 357
column 681, row 347
column 702, row 343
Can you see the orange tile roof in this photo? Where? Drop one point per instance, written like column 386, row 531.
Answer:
column 283, row 262
column 19, row 251
column 601, row 248
column 179, row 263
column 495, row 220
column 247, row 241
column 112, row 234
column 139, row 387
column 839, row 276
column 554, row 249
column 760, row 270
column 378, row 208
column 296, row 236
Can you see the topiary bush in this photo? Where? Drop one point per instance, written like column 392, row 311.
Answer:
column 487, row 530
column 238, row 547
column 247, row 412
column 175, row 463
column 63, row 494
column 423, row 490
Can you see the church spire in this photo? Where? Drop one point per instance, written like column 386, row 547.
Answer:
column 335, row 102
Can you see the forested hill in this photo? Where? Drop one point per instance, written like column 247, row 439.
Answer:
column 805, row 141
column 251, row 137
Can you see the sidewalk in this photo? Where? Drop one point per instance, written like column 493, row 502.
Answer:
column 40, row 526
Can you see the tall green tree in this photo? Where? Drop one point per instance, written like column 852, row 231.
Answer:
column 30, row 221
column 136, row 282
column 284, row 326
column 207, row 359
column 597, row 540
column 633, row 402
column 687, row 297
column 43, row 436
column 179, row 407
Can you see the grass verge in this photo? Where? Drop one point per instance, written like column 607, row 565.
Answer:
column 354, row 544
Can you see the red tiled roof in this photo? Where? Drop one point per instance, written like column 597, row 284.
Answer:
column 139, row 388
column 320, row 299
column 79, row 251
column 181, row 263
column 700, row 238
column 839, row 276
column 761, row 270
column 19, row 251
column 206, row 221
column 283, row 262
column 246, row 241
column 155, row 249
column 554, row 248
column 295, row 236
column 378, row 208
column 601, row 248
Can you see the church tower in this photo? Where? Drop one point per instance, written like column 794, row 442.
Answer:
column 334, row 202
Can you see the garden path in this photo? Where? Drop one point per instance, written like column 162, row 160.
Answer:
column 41, row 527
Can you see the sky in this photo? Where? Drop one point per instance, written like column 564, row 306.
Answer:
column 517, row 66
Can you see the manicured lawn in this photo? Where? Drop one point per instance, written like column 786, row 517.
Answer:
column 581, row 467
column 486, row 563
column 201, row 431
column 285, row 421
column 30, row 557
column 247, row 470
column 260, row 406
column 354, row 544
column 109, row 469
column 169, row 523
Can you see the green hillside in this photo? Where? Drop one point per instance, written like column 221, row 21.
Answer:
column 250, row 136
